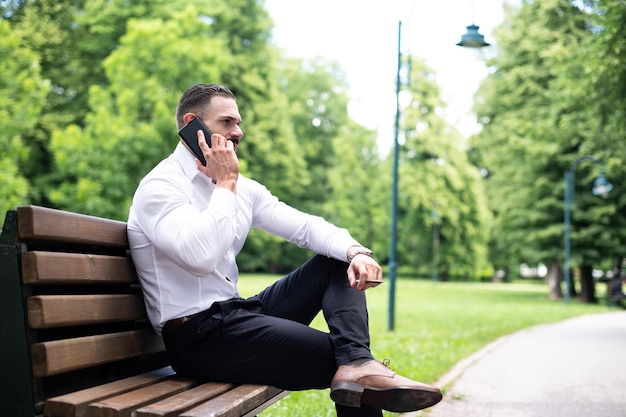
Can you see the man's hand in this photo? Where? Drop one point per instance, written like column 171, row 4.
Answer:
column 364, row 272
column 222, row 164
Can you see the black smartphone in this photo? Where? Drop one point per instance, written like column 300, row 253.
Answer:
column 189, row 133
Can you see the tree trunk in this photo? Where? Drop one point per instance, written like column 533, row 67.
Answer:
column 587, row 285
column 572, row 277
column 554, row 279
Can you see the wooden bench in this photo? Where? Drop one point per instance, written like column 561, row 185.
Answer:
column 75, row 337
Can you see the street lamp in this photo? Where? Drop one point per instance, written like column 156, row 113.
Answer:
column 472, row 39
column 601, row 187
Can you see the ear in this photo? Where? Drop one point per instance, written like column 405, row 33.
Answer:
column 188, row 117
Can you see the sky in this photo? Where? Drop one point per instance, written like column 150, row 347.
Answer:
column 362, row 35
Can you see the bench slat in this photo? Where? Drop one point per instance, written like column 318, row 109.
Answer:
column 58, row 356
column 173, row 406
column 76, row 268
column 40, row 223
column 255, row 411
column 75, row 404
column 123, row 405
column 235, row 402
column 46, row 311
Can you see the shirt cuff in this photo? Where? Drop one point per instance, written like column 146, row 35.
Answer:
column 339, row 249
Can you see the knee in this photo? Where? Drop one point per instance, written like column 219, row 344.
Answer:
column 332, row 266
column 331, row 262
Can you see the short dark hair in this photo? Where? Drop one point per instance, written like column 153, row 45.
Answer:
column 196, row 100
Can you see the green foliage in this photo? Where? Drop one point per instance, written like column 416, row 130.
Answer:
column 11, row 8
column 22, row 94
column 438, row 188
column 330, row 149
column 316, row 91
column 539, row 113
column 72, row 38
column 356, row 180
column 89, row 93
column 131, row 125
column 117, row 72
column 603, row 60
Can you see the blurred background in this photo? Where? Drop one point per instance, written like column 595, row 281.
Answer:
column 486, row 138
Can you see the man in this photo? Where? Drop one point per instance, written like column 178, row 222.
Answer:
column 186, row 225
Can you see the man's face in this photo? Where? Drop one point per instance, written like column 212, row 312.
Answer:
column 223, row 117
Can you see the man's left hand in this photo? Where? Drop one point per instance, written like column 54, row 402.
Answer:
column 364, row 272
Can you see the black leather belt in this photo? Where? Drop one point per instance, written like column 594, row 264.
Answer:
column 217, row 309
column 172, row 325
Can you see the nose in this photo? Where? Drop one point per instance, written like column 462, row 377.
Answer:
column 236, row 132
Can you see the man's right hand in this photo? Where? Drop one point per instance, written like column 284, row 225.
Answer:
column 222, row 163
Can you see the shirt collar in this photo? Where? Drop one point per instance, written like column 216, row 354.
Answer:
column 186, row 160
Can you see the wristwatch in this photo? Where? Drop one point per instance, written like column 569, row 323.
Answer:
column 361, row 250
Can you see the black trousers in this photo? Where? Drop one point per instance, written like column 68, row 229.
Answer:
column 266, row 339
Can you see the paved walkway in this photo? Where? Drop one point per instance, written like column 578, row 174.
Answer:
column 573, row 368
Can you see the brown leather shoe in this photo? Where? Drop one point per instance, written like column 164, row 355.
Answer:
column 373, row 383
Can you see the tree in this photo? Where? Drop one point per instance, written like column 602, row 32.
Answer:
column 438, row 186
column 537, row 119
column 317, row 110
column 318, row 107
column 131, row 125
column 22, row 93
column 116, row 70
column 604, row 61
column 360, row 193
column 72, row 39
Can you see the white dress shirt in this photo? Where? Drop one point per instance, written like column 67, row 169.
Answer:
column 184, row 234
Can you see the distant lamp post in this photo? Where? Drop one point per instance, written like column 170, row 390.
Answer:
column 471, row 40
column 436, row 243
column 601, row 187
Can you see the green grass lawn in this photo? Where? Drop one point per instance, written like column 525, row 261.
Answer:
column 436, row 325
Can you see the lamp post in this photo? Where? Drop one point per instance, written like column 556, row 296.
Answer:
column 436, row 243
column 394, row 194
column 470, row 40
column 601, row 187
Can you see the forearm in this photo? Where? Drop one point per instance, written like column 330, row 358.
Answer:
column 309, row 231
